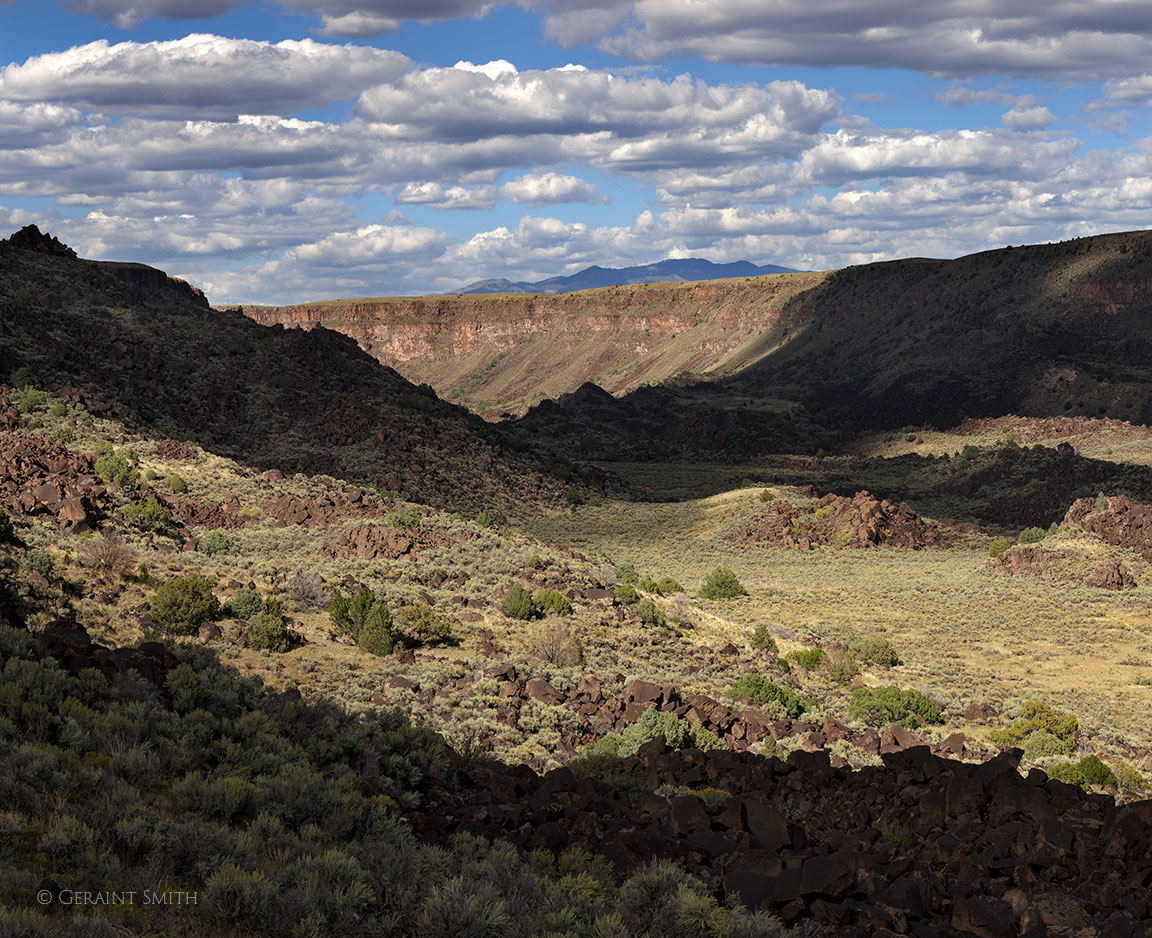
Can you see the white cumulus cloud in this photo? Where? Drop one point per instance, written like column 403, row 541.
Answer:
column 200, row 76
column 548, row 189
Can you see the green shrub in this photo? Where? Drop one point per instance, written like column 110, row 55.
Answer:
column 1032, row 535
column 376, row 637
column 7, row 532
column 572, row 494
column 650, row 614
column 28, row 399
column 245, row 603
column 403, row 516
column 677, row 733
column 764, row 692
column 177, row 484
column 721, row 583
column 763, row 641
column 808, row 658
column 38, row 561
column 1037, row 715
column 873, row 649
column 843, row 667
column 667, row 586
column 1101, row 503
column 215, row 542
column 1087, row 772
column 364, row 618
column 1040, row 743
column 148, row 513
column 1129, row 778
column 766, row 495
column 881, row 706
column 269, row 632
column 422, row 625
column 552, row 602
column 518, row 604
column 626, row 572
column 183, row 603
column 64, row 434
column 116, row 466
column 484, row 520
column 626, row 593
column 998, row 546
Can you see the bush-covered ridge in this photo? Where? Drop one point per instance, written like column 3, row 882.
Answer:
column 281, row 817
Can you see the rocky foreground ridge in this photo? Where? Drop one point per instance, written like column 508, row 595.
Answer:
column 924, row 845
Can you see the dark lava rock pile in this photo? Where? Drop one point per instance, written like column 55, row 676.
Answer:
column 839, row 521
column 922, row 846
column 1123, row 523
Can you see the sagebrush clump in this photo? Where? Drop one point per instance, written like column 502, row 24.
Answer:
column 551, row 602
column 119, row 468
column 1037, row 717
column 422, row 625
column 677, row 733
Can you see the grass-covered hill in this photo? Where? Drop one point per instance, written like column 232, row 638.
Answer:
column 129, row 341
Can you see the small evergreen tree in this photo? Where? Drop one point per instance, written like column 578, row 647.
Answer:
column 364, row 618
column 518, row 604
column 552, row 602
column 183, row 603
column 721, row 583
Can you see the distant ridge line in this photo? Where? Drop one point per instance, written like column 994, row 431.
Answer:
column 666, row 271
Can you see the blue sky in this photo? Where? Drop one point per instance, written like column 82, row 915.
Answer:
column 282, row 152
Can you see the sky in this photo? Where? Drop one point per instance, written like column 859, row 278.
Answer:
column 311, row 149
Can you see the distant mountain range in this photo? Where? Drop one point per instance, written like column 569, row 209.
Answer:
column 688, row 268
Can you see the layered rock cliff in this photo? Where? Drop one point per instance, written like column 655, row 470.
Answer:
column 505, row 352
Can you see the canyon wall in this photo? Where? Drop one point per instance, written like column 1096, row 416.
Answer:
column 502, row 353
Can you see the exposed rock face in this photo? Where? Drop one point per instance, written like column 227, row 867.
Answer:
column 30, row 238
column 860, row 521
column 1113, row 575
column 327, row 509
column 70, row 644
column 40, row 477
column 512, row 348
column 381, row 542
column 1122, row 523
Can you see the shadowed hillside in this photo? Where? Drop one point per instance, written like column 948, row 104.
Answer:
column 1042, row 330
column 131, row 342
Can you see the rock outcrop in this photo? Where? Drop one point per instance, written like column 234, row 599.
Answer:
column 41, row 478
column 1122, row 523
column 860, row 521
